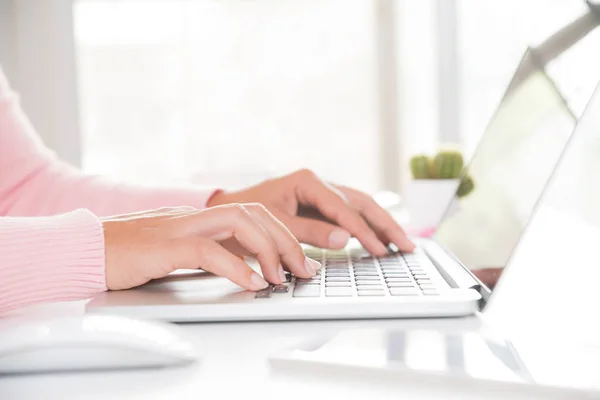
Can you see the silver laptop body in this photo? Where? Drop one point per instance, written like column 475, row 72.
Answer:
column 431, row 282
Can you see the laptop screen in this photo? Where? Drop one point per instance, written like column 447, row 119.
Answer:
column 554, row 272
column 511, row 166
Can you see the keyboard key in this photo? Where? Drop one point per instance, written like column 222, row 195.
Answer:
column 263, row 294
column 401, row 279
column 338, row 274
column 337, row 267
column 280, row 289
column 394, row 266
column 337, row 279
column 395, row 261
column 371, row 293
column 317, row 284
column 307, row 291
column 338, row 284
column 368, row 283
column 362, row 273
column 314, row 278
column 368, row 278
column 395, row 271
column 364, row 264
column 395, row 275
column 366, row 272
column 400, row 284
column 339, row 292
column 396, row 291
column 430, row 292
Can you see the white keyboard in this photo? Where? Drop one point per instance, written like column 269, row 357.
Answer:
column 356, row 273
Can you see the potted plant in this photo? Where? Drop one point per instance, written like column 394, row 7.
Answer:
column 436, row 180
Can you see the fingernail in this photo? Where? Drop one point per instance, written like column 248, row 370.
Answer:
column 338, row 239
column 403, row 242
column 281, row 273
column 258, row 281
column 311, row 266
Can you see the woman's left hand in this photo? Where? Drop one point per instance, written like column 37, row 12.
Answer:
column 321, row 214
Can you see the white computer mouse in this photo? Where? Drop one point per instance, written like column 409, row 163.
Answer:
column 90, row 342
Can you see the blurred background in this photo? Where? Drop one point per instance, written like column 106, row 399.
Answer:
column 228, row 92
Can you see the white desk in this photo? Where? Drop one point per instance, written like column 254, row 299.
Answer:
column 234, row 364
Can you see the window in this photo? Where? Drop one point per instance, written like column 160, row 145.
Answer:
column 228, row 92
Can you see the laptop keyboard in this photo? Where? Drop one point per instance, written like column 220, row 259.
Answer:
column 356, row 273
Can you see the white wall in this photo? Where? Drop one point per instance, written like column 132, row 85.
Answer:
column 37, row 52
column 6, row 36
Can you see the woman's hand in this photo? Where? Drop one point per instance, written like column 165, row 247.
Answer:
column 321, row 214
column 151, row 244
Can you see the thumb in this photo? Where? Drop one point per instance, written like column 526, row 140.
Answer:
column 317, row 233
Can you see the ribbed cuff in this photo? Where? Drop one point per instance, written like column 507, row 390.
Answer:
column 48, row 259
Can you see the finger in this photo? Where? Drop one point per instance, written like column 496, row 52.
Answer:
column 288, row 247
column 198, row 252
column 317, row 233
column 233, row 221
column 383, row 223
column 233, row 246
column 331, row 203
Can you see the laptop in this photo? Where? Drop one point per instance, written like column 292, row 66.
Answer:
column 540, row 331
column 530, row 129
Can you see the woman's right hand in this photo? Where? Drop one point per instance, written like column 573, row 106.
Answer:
column 149, row 245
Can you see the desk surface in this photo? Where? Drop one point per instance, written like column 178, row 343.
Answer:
column 234, row 363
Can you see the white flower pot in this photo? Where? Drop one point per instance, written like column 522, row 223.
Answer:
column 427, row 200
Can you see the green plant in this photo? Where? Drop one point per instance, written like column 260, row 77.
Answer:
column 419, row 166
column 446, row 164
column 466, row 186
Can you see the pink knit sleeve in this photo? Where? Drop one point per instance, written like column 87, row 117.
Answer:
column 58, row 257
column 47, row 259
column 33, row 182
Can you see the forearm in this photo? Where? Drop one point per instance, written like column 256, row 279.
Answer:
column 59, row 188
column 33, row 182
column 48, row 259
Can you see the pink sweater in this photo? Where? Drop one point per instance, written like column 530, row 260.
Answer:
column 51, row 241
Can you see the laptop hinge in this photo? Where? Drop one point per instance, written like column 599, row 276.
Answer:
column 462, row 277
